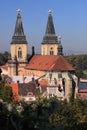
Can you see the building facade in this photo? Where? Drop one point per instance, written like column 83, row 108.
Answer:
column 51, row 45
column 50, row 66
column 19, row 49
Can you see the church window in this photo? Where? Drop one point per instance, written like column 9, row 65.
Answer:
column 19, row 53
column 51, row 51
column 50, row 76
column 59, row 75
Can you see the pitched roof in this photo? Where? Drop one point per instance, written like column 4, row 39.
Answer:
column 43, row 82
column 83, row 91
column 51, row 63
column 23, row 89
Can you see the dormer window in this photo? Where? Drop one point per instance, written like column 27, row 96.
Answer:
column 19, row 53
column 51, row 51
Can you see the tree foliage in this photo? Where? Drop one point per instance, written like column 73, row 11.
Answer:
column 46, row 114
column 79, row 62
column 6, row 93
column 4, row 57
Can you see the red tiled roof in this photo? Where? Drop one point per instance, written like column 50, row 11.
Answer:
column 43, row 83
column 83, row 91
column 14, row 91
column 47, row 62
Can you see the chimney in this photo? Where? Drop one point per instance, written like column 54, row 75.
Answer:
column 33, row 52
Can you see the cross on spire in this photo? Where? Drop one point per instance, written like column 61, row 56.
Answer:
column 19, row 10
column 50, row 11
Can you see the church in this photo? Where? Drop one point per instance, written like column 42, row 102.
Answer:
column 50, row 67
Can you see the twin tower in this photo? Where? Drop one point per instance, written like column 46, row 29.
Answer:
column 51, row 45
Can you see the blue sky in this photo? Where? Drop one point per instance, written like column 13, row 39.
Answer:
column 69, row 16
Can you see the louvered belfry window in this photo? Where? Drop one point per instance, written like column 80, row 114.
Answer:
column 19, row 53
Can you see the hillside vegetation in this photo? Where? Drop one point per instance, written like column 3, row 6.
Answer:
column 79, row 62
column 3, row 58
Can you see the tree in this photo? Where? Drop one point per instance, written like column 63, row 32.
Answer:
column 79, row 62
column 6, row 93
column 4, row 57
column 48, row 114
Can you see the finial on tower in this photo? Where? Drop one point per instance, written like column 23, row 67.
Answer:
column 59, row 39
column 50, row 11
column 19, row 10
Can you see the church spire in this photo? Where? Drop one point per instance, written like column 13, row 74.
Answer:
column 50, row 36
column 50, row 26
column 19, row 36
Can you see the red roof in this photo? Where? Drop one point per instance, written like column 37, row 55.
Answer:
column 83, row 91
column 14, row 91
column 47, row 62
column 43, row 82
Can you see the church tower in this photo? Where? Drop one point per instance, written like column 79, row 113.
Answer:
column 18, row 47
column 50, row 44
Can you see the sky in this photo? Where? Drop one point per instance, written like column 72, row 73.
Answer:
column 69, row 17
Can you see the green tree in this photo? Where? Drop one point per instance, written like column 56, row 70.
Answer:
column 6, row 93
column 79, row 62
column 4, row 57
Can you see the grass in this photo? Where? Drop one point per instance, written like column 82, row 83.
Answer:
column 85, row 72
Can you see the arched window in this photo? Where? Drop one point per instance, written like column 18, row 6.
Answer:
column 19, row 53
column 51, row 51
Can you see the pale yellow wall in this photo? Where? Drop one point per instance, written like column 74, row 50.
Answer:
column 21, row 69
column 21, row 72
column 34, row 72
column 11, row 69
column 14, row 52
column 45, row 49
column 15, row 48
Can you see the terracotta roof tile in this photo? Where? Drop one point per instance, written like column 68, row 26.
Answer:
column 43, row 83
column 14, row 91
column 47, row 62
column 83, row 91
column 61, row 64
